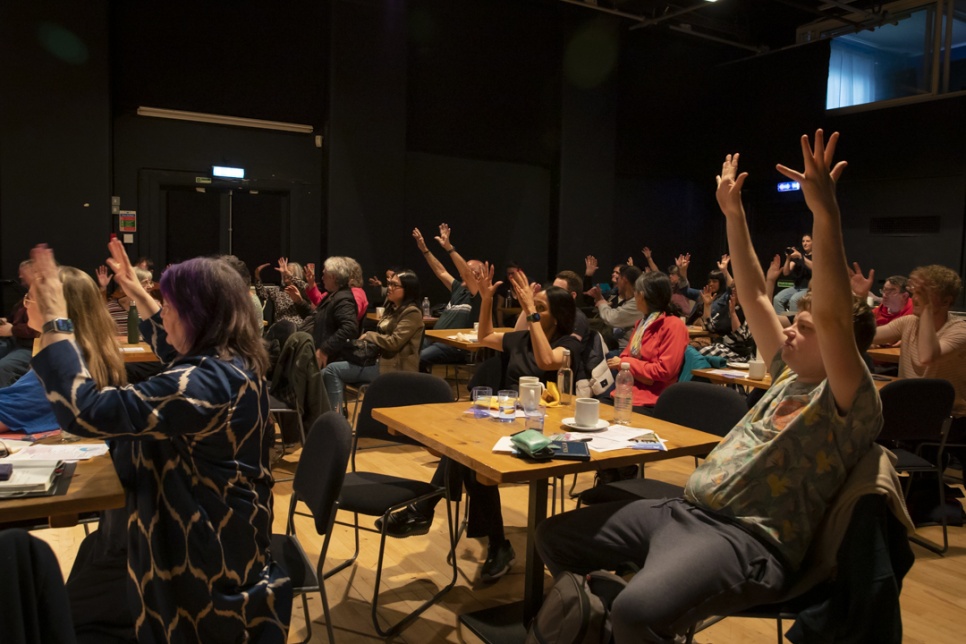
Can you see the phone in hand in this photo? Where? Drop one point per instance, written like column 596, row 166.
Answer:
column 789, row 250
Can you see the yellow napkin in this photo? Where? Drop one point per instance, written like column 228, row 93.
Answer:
column 551, row 395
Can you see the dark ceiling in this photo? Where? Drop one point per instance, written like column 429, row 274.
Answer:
column 754, row 25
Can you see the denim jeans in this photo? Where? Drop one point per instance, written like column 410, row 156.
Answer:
column 337, row 374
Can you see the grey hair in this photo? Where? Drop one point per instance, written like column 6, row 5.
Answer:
column 295, row 269
column 355, row 275
column 341, row 268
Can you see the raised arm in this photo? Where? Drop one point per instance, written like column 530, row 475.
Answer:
column 466, row 273
column 756, row 302
column 438, row 269
column 125, row 276
column 831, row 292
column 487, row 289
column 546, row 357
column 723, row 267
column 650, row 260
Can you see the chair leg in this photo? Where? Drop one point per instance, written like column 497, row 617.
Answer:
column 929, row 545
column 408, row 619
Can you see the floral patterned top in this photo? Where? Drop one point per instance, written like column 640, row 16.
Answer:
column 192, row 449
column 782, row 465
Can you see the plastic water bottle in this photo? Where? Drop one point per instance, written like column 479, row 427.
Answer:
column 427, row 309
column 624, row 395
column 565, row 380
column 133, row 336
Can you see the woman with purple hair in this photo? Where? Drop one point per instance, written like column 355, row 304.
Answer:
column 191, row 446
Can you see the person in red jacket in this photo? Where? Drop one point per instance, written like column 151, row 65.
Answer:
column 656, row 347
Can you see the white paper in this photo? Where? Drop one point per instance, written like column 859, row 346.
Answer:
column 71, row 452
column 731, row 373
column 133, row 349
column 504, row 446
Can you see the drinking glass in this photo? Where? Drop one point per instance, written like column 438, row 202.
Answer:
column 507, row 400
column 481, row 401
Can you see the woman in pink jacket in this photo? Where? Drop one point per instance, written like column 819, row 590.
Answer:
column 655, row 351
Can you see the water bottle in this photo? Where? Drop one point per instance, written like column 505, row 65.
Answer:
column 427, row 310
column 565, row 380
column 133, row 337
column 623, row 395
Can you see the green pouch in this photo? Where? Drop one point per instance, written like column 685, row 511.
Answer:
column 532, row 443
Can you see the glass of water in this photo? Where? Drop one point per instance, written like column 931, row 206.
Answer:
column 507, row 400
column 481, row 401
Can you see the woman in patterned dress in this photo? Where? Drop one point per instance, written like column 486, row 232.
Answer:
column 191, row 446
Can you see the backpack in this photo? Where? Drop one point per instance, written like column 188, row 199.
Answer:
column 577, row 610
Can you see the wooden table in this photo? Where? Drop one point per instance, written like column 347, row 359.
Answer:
column 94, row 487
column 726, row 377
column 698, row 331
column 447, row 430
column 885, row 354
column 444, row 336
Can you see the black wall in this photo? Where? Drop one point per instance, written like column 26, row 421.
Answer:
column 541, row 132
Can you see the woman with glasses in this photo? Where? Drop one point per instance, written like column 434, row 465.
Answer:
column 192, row 449
column 397, row 336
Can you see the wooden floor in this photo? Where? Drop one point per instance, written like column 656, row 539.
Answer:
column 933, row 597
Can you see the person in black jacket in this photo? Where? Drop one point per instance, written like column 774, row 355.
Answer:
column 336, row 319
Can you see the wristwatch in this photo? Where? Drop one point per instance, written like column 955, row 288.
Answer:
column 59, row 325
column 533, row 317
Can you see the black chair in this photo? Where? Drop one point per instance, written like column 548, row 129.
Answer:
column 379, row 495
column 860, row 601
column 318, row 483
column 916, row 412
column 709, row 408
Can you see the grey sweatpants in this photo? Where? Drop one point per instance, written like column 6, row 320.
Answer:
column 693, row 564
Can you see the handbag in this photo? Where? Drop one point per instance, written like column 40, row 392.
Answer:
column 533, row 444
column 361, row 352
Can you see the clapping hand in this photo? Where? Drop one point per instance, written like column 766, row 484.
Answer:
column 595, row 294
column 523, row 291
column 124, row 273
column 293, row 292
column 774, row 269
column 47, row 290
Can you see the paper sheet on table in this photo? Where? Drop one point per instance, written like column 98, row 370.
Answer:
column 504, row 446
column 74, row 452
column 731, row 373
column 463, row 337
column 624, row 437
column 134, row 350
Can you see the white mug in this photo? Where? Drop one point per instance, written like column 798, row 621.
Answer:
column 587, row 412
column 756, row 370
column 524, row 380
column 530, row 394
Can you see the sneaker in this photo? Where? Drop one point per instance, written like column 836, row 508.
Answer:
column 408, row 522
column 498, row 562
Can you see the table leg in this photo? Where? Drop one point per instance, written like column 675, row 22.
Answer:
column 533, row 582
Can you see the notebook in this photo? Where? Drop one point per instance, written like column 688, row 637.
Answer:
column 570, row 450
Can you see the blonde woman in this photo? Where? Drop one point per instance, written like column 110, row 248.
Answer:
column 23, row 405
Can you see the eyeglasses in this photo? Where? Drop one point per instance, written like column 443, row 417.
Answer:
column 28, row 300
column 892, row 290
column 393, row 285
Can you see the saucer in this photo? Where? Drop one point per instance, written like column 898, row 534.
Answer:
column 571, row 423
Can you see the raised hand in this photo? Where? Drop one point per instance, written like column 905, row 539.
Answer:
column 523, row 291
column 103, row 279
column 283, row 269
column 309, row 275
column 706, row 295
column 46, row 288
column 647, row 252
column 819, row 177
column 861, row 285
column 293, row 292
column 443, row 237
column 590, row 265
column 774, row 269
column 729, row 186
column 630, row 261
column 595, row 294
column 375, row 281
column 420, row 243
column 723, row 264
column 484, row 281
column 124, row 273
column 683, row 261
